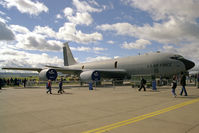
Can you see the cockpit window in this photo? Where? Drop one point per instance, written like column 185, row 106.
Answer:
column 177, row 57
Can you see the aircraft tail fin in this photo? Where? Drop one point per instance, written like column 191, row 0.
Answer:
column 68, row 57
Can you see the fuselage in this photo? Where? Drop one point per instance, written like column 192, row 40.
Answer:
column 157, row 64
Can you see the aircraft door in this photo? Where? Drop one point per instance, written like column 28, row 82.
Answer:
column 83, row 67
column 115, row 65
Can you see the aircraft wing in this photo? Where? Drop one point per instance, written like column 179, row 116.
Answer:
column 105, row 73
column 25, row 69
column 58, row 69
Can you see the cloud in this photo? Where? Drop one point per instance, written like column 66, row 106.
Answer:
column 5, row 33
column 120, row 28
column 184, row 10
column 99, row 49
column 3, row 20
column 168, row 48
column 19, row 29
column 36, row 40
column 93, row 2
column 98, row 58
column 110, row 42
column 116, row 57
column 83, row 6
column 40, row 39
column 32, row 41
column 139, row 44
column 68, row 11
column 68, row 32
column 3, row 17
column 81, row 18
column 172, row 31
column 47, row 31
column 16, row 58
column 26, row 6
column 45, row 38
column 58, row 16
column 86, row 49
column 87, row 38
column 171, row 25
column 2, row 13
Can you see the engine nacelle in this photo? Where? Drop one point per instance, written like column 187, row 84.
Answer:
column 48, row 74
column 90, row 76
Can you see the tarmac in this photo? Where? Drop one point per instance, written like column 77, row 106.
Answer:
column 119, row 109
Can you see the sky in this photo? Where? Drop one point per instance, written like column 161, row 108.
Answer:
column 32, row 32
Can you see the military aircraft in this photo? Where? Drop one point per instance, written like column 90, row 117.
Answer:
column 155, row 64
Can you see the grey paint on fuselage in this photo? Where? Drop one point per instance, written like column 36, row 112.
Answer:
column 158, row 64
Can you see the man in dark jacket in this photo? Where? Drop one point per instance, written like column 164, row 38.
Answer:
column 61, row 86
column 142, row 84
column 1, row 83
column 183, row 83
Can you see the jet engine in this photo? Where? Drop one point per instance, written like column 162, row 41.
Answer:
column 48, row 74
column 89, row 76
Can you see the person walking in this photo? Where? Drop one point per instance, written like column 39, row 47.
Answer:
column 174, row 85
column 142, row 84
column 61, row 86
column 1, row 83
column 24, row 82
column 49, row 87
column 183, row 83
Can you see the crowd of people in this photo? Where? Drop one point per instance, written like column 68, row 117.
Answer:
column 12, row 82
column 18, row 82
column 175, row 79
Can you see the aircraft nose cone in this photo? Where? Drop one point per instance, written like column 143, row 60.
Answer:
column 188, row 64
